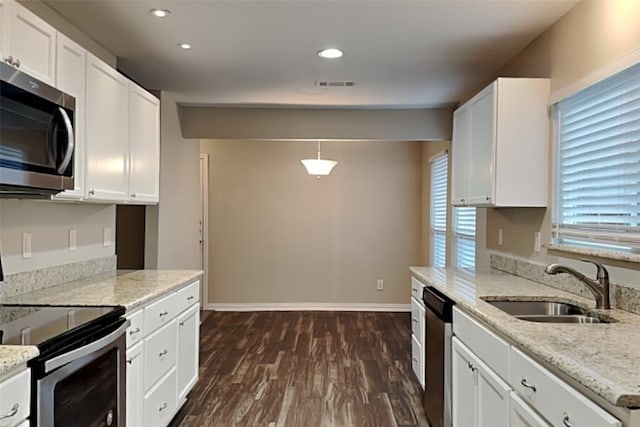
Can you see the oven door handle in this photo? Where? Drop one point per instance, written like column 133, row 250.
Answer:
column 63, row 359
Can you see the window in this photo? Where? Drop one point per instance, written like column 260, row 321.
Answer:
column 597, row 200
column 464, row 237
column 438, row 206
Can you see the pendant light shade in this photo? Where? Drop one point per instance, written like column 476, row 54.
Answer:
column 318, row 167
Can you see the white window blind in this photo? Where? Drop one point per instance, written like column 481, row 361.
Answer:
column 438, row 209
column 598, row 165
column 464, row 237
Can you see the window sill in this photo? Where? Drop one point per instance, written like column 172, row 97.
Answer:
column 619, row 256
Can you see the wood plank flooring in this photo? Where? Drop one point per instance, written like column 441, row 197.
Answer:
column 304, row 369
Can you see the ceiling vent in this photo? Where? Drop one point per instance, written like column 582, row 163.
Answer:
column 347, row 83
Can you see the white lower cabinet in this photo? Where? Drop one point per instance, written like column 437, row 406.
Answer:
column 522, row 415
column 162, row 357
column 188, row 338
column 495, row 384
column 160, row 402
column 135, row 385
column 480, row 397
column 15, row 398
column 418, row 330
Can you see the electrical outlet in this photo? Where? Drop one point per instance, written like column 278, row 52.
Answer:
column 73, row 240
column 26, row 245
column 380, row 285
column 106, row 237
column 537, row 245
column 500, row 237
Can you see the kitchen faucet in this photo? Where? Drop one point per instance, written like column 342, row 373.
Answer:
column 599, row 287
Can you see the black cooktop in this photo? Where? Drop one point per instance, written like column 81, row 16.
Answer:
column 43, row 326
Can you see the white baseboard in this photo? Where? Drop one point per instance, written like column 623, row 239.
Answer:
column 311, row 306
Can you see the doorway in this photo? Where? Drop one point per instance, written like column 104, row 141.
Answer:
column 204, row 229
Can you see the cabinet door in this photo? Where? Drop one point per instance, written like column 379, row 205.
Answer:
column 459, row 156
column 71, row 78
column 493, row 397
column 521, row 414
column 463, row 386
column 32, row 43
column 135, row 391
column 144, row 140
column 188, row 346
column 107, row 132
column 480, row 173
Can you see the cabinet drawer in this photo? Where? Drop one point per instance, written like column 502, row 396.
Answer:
column 416, row 288
column 188, row 296
column 485, row 344
column 15, row 397
column 417, row 360
column 135, row 331
column 160, row 403
column 159, row 353
column 552, row 397
column 160, row 313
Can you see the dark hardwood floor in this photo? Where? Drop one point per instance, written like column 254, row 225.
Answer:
column 304, row 369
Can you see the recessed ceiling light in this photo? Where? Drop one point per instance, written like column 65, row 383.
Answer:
column 331, row 53
column 160, row 13
column 184, row 45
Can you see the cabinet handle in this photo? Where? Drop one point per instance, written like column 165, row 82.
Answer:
column 17, row 63
column 164, row 313
column 9, row 60
column 92, row 192
column 415, row 359
column 163, row 407
column 190, row 298
column 130, row 361
column 14, row 410
column 527, row 385
column 488, row 198
column 565, row 420
column 163, row 353
column 135, row 331
column 181, row 323
column 415, row 320
column 414, row 289
column 133, row 195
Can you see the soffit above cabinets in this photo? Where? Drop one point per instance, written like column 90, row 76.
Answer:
column 411, row 54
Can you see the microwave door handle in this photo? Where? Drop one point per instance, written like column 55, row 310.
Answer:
column 71, row 141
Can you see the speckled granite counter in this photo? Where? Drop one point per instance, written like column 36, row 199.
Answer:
column 129, row 290
column 604, row 358
column 15, row 355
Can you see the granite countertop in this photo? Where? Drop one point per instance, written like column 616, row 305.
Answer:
column 130, row 290
column 601, row 357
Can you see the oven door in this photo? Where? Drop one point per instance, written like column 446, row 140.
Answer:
column 86, row 387
column 36, row 134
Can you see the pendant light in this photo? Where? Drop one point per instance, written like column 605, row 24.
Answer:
column 318, row 167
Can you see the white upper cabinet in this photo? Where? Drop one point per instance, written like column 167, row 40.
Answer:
column 500, row 145
column 144, row 146
column 71, row 78
column 27, row 42
column 107, row 133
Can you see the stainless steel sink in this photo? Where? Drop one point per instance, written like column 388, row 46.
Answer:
column 571, row 318
column 549, row 312
column 547, row 308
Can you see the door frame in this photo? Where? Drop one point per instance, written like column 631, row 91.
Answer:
column 204, row 229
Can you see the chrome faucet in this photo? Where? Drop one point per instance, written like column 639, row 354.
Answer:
column 599, row 287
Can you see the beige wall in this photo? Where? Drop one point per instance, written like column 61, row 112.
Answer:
column 430, row 149
column 172, row 227
column 49, row 224
column 278, row 235
column 310, row 123
column 591, row 38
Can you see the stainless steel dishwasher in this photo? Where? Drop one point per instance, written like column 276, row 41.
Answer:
column 437, row 390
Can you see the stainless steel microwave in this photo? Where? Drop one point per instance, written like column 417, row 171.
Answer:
column 36, row 136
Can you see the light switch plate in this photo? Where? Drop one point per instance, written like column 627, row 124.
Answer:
column 26, row 245
column 73, row 240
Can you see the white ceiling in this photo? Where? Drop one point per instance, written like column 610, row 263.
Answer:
column 400, row 53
